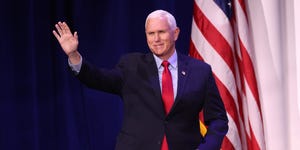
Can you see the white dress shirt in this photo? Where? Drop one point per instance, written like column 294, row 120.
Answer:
column 173, row 67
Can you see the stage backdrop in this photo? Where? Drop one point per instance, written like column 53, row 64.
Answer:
column 42, row 105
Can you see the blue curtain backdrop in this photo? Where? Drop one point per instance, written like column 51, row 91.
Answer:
column 42, row 105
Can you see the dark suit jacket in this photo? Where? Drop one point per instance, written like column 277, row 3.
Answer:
column 135, row 79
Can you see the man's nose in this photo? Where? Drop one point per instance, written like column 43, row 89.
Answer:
column 156, row 37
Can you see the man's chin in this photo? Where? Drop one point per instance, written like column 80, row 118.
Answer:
column 158, row 54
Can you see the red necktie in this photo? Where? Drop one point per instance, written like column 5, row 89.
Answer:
column 167, row 95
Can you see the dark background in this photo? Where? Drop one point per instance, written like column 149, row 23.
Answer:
column 42, row 105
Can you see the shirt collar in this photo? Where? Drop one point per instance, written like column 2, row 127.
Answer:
column 172, row 60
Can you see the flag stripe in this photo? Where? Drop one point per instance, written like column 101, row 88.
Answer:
column 249, row 73
column 228, row 144
column 254, row 144
column 242, row 5
column 232, row 136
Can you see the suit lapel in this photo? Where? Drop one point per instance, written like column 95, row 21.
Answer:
column 183, row 72
column 152, row 76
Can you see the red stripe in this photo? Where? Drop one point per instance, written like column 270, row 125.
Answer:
column 242, row 87
column 193, row 52
column 240, row 71
column 254, row 144
column 229, row 103
column 214, row 37
column 248, row 71
column 243, row 6
column 227, row 145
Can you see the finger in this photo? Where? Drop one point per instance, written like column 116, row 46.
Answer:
column 62, row 28
column 66, row 27
column 56, row 35
column 58, row 28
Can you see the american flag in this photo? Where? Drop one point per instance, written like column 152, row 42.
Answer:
column 220, row 36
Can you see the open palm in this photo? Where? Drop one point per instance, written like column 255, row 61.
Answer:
column 66, row 39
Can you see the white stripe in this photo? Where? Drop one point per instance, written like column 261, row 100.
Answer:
column 243, row 135
column 246, row 114
column 242, row 27
column 219, row 66
column 232, row 134
column 255, row 117
column 244, row 125
column 217, row 17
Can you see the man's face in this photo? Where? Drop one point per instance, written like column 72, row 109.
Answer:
column 160, row 37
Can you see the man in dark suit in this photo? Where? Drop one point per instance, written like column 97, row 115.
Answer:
column 161, row 103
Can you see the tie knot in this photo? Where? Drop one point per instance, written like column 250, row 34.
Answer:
column 165, row 64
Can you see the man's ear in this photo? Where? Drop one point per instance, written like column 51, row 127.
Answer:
column 176, row 33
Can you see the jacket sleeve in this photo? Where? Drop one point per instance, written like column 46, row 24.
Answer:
column 107, row 80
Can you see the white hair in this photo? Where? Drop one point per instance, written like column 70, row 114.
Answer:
column 162, row 13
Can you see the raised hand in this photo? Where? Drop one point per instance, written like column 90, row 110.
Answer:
column 67, row 40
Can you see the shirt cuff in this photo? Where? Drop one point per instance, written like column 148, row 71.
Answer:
column 75, row 67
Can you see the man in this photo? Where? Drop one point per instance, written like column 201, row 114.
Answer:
column 163, row 91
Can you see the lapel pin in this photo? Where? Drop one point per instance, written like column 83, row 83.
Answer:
column 183, row 73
